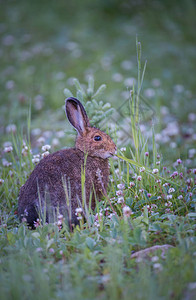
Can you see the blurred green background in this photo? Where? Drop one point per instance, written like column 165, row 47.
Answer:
column 45, row 44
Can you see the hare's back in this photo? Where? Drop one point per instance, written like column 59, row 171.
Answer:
column 63, row 162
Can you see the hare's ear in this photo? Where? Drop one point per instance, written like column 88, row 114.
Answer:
column 76, row 114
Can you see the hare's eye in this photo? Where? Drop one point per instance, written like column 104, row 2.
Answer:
column 97, row 138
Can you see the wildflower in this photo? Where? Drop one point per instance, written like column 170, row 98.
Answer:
column 194, row 171
column 35, row 159
column 41, row 140
column 141, row 191
column 55, row 142
column 46, row 148
column 61, row 252
column 149, row 93
column 171, row 190
column 51, row 250
column 120, row 200
column 131, row 184
column 121, row 186
column 156, row 82
column 154, row 258
column 158, row 163
column 10, row 85
column 134, row 176
column 168, row 204
column 11, row 128
column 190, row 195
column 127, row 65
column 158, row 267
column 36, row 223
column 147, row 154
column 45, row 154
column 127, row 211
column 159, row 198
column 123, row 149
column 8, row 149
column 119, row 193
column 78, row 210
column 158, row 156
column 158, row 180
column 111, row 215
column 154, row 206
column 142, row 169
column 1, row 181
column 148, row 195
column 181, row 175
column 180, row 197
column 169, row 197
column 39, row 249
column 168, row 210
column 98, row 216
column 166, row 184
column 136, row 196
column 36, row 131
column 117, row 77
column 174, row 174
column 155, row 171
column 129, row 82
column 6, row 163
column 139, row 178
column 179, row 161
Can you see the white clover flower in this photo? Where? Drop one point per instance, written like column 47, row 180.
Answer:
column 35, row 160
column 155, row 171
column 45, row 154
column 134, row 176
column 142, row 169
column 168, row 204
column 1, row 181
column 127, row 211
column 123, row 149
column 117, row 77
column 121, row 186
column 6, row 163
column 158, row 267
column 141, row 190
column 11, row 128
column 166, row 184
column 78, row 210
column 139, row 178
column 119, row 193
column 111, row 215
column 149, row 93
column 120, row 200
column 159, row 198
column 171, row 190
column 180, row 197
column 154, row 258
column 169, row 197
column 158, row 180
column 158, row 163
column 8, row 149
column 41, row 140
column 46, row 148
column 131, row 184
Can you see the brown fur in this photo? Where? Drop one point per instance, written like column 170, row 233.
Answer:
column 46, row 184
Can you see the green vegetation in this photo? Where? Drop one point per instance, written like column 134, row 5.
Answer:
column 147, row 108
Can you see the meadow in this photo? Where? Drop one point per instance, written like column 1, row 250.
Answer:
column 132, row 65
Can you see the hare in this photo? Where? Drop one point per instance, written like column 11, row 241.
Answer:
column 55, row 186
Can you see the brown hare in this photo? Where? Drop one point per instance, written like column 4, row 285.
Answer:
column 54, row 186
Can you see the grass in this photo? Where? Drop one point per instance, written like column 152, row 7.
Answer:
column 45, row 46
